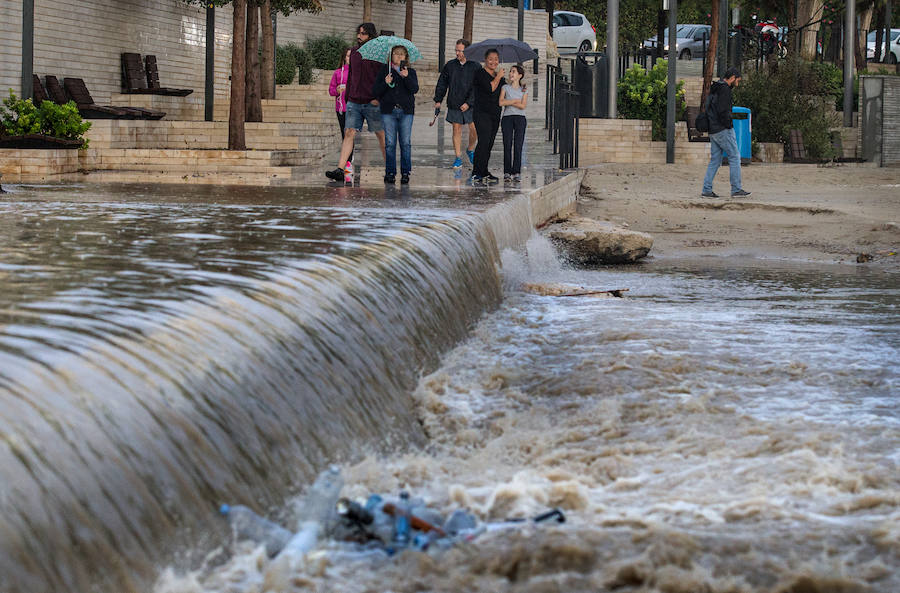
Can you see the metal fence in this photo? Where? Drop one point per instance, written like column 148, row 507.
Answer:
column 562, row 116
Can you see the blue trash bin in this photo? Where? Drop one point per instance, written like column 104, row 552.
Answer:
column 740, row 119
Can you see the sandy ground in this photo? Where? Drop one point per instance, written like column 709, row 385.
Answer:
column 841, row 213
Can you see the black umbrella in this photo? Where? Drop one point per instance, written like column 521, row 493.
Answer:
column 511, row 50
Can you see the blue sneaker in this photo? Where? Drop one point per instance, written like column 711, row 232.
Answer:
column 471, row 155
column 457, row 163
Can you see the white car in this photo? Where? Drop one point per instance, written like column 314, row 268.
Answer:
column 572, row 31
column 895, row 46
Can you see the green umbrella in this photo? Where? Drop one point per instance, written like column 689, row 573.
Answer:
column 379, row 49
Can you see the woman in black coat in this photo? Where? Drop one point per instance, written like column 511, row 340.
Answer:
column 396, row 87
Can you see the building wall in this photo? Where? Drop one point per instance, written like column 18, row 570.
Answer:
column 85, row 38
column 490, row 22
column 10, row 47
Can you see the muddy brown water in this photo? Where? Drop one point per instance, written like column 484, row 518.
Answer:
column 729, row 426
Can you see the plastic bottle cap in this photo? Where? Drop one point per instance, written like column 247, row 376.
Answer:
column 225, row 509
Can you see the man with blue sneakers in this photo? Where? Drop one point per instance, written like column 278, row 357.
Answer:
column 721, row 135
column 456, row 82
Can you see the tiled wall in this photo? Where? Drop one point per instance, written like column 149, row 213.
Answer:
column 628, row 141
column 85, row 38
column 10, row 47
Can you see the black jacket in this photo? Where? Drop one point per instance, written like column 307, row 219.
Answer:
column 487, row 100
column 719, row 107
column 456, row 81
column 401, row 94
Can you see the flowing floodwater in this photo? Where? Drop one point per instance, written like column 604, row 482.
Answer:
column 730, row 426
column 160, row 356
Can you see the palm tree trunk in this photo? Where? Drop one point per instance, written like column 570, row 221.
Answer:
column 408, row 27
column 253, row 96
column 710, row 50
column 236, row 138
column 267, row 61
column 367, row 11
column 468, row 20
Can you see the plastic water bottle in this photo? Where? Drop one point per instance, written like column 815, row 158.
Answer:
column 247, row 525
column 319, row 503
column 402, row 529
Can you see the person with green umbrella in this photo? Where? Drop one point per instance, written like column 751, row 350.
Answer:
column 396, row 87
column 361, row 104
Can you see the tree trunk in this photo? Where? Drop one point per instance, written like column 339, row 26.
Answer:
column 408, row 27
column 810, row 14
column 551, row 6
column 660, row 33
column 468, row 20
column 879, row 36
column 865, row 20
column 710, row 51
column 267, row 61
column 236, row 138
column 253, row 90
column 367, row 11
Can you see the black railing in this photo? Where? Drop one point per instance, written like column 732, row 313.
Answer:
column 561, row 117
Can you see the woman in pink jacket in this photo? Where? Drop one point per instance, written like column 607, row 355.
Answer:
column 338, row 89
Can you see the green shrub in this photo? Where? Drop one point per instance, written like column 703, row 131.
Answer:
column 642, row 95
column 303, row 61
column 326, row 51
column 285, row 65
column 63, row 121
column 19, row 117
column 792, row 95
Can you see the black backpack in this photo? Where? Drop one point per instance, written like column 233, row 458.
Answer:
column 702, row 121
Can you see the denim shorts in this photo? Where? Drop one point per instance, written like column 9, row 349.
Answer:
column 455, row 116
column 357, row 112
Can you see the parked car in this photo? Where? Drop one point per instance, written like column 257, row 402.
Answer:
column 894, row 57
column 572, row 31
column 689, row 41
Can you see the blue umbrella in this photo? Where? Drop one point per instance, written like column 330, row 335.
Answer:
column 511, row 50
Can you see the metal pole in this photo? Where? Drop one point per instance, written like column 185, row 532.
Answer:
column 671, row 83
column 442, row 35
column 612, row 53
column 27, row 49
column 521, row 36
column 209, row 100
column 722, row 49
column 849, row 40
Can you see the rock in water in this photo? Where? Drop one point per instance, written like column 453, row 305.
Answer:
column 585, row 241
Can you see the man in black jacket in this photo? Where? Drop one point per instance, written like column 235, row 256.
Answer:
column 456, row 82
column 721, row 136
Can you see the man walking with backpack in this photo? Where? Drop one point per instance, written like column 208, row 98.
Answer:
column 721, row 135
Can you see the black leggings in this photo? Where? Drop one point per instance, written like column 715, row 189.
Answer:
column 513, row 127
column 342, row 120
column 486, row 125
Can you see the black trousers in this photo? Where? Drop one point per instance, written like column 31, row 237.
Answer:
column 486, row 125
column 513, row 127
column 342, row 120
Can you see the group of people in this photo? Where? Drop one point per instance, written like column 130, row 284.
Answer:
column 479, row 97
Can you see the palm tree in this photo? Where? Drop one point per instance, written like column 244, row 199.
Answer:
column 468, row 20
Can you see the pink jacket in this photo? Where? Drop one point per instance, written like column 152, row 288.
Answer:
column 340, row 99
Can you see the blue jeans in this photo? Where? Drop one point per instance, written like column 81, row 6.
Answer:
column 724, row 141
column 397, row 122
column 357, row 112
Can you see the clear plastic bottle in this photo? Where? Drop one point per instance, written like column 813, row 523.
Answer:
column 247, row 525
column 319, row 503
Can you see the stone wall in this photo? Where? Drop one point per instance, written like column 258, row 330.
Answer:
column 85, row 38
column 629, row 141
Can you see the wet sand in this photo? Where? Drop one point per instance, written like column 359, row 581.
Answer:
column 797, row 212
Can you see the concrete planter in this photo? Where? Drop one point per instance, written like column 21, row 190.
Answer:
column 770, row 152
